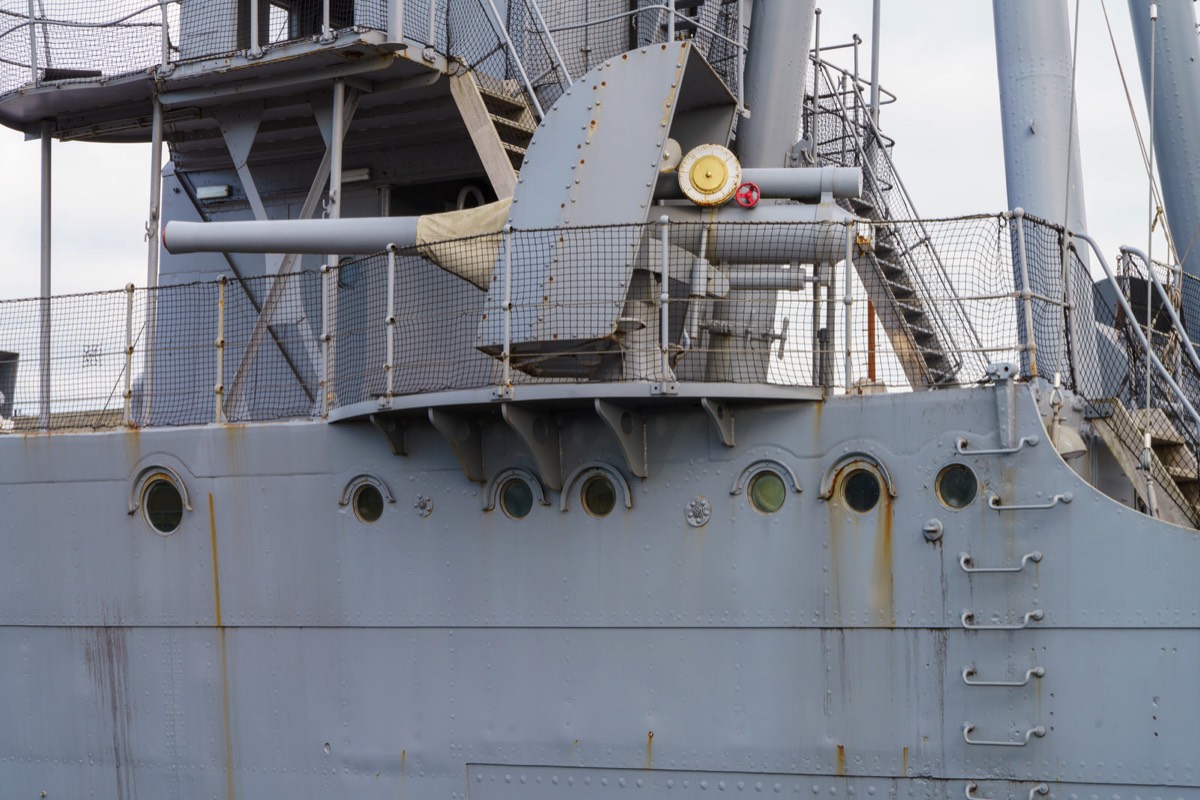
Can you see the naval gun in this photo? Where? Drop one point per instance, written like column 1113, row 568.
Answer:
column 561, row 305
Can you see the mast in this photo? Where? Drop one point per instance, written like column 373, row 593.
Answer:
column 1043, row 170
column 1176, row 105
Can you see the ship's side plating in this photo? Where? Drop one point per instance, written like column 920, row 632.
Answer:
column 710, row 583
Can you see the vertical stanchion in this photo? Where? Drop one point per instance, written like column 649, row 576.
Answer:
column 506, row 379
column 670, row 20
column 219, row 387
column 152, row 256
column 326, row 337
column 127, row 417
column 390, row 367
column 44, row 398
column 664, row 297
column 165, row 43
column 33, row 53
column 333, row 272
column 432, row 36
column 1026, row 295
column 326, row 24
column 396, row 21
column 848, row 300
column 255, row 35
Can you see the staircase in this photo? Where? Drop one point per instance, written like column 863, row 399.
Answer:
column 887, row 275
column 500, row 123
column 1174, row 470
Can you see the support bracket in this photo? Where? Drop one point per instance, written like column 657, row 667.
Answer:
column 628, row 424
column 466, row 439
column 391, row 428
column 722, row 419
column 540, row 434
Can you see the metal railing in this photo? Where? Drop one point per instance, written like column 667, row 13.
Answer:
column 395, row 324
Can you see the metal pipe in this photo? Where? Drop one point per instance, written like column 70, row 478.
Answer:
column 165, row 43
column 326, row 337
column 355, row 235
column 152, row 238
column 791, row 183
column 875, row 28
column 337, row 141
column 670, row 20
column 44, row 394
column 326, row 25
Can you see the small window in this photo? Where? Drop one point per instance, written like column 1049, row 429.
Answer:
column 599, row 496
column 516, row 498
column 957, row 486
column 860, row 490
column 368, row 503
column 767, row 492
column 162, row 504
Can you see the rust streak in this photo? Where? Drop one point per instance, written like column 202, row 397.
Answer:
column 650, row 750
column 841, row 759
column 884, row 578
column 904, row 758
column 225, row 706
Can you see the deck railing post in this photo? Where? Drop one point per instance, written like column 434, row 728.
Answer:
column 506, row 356
column 326, row 24
column 255, row 36
column 46, row 206
column 219, row 386
column 127, row 417
column 848, row 300
column 33, row 52
column 389, row 368
column 664, row 297
column 396, row 21
column 327, row 274
column 1026, row 295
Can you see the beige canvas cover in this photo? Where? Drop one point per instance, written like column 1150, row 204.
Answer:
column 439, row 239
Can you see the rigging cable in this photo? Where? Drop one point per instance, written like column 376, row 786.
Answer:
column 1068, row 294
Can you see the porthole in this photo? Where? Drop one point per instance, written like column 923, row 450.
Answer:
column 598, row 495
column 368, row 503
column 860, row 490
column 162, row 504
column 767, row 492
column 957, row 486
column 516, row 498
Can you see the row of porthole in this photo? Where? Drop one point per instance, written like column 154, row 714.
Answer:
column 956, row 487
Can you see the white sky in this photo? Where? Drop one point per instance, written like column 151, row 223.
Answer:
column 938, row 57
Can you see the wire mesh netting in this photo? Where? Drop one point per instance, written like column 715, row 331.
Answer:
column 78, row 39
column 574, row 305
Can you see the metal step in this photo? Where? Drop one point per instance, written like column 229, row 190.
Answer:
column 512, row 128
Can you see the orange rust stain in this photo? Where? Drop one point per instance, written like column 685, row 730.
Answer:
column 225, row 706
column 650, row 750
column 835, row 550
column 841, row 759
column 883, row 583
column 904, row 758
column 133, row 445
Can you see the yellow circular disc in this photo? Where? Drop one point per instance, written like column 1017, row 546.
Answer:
column 709, row 175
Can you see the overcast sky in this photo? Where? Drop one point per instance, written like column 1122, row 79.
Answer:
column 938, row 57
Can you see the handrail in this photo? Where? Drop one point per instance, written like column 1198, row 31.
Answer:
column 1167, row 304
column 1141, row 337
column 502, row 30
column 562, row 65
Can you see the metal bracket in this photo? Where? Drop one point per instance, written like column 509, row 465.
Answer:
column 629, row 426
column 390, row 427
column 961, row 447
column 722, row 419
column 539, row 432
column 1037, row 730
column 1030, row 616
column 965, row 561
column 994, row 502
column 1030, row 674
column 465, row 438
